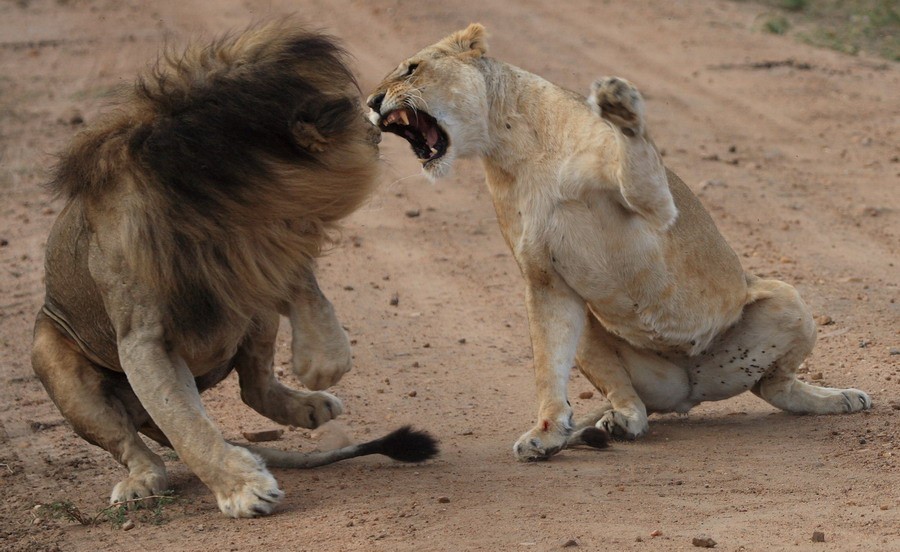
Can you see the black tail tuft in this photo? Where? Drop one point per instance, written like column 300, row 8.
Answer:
column 595, row 437
column 405, row 445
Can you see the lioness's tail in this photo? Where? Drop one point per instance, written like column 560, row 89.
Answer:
column 404, row 444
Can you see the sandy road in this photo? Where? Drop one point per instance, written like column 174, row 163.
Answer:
column 797, row 160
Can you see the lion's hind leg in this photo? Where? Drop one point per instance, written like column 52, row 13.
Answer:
column 80, row 391
column 638, row 169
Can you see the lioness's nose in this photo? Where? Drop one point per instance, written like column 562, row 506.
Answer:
column 375, row 101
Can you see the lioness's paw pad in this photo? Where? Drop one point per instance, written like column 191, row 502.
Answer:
column 624, row 425
column 856, row 400
column 538, row 444
column 619, row 102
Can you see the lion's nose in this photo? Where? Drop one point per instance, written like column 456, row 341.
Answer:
column 374, row 102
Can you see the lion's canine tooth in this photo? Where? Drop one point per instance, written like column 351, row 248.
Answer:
column 404, row 117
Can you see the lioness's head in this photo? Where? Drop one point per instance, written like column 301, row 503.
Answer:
column 437, row 101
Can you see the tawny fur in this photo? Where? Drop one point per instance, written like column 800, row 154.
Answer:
column 626, row 275
column 194, row 214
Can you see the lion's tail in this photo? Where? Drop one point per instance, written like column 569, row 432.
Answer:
column 404, row 444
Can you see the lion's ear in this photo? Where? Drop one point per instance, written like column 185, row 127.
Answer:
column 471, row 39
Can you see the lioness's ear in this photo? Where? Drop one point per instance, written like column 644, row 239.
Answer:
column 471, row 39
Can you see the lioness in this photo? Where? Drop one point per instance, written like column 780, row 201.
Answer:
column 193, row 217
column 626, row 275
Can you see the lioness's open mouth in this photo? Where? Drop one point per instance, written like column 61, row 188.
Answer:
column 428, row 140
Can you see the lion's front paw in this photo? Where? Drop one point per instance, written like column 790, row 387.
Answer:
column 320, row 371
column 138, row 486
column 310, row 410
column 619, row 102
column 321, row 363
column 540, row 443
column 251, row 491
column 624, row 424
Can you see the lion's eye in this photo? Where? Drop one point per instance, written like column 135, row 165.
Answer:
column 411, row 69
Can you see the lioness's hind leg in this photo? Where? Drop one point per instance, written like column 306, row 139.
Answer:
column 79, row 390
column 783, row 311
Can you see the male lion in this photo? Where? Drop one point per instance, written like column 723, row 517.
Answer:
column 194, row 215
column 626, row 275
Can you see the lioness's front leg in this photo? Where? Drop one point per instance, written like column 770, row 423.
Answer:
column 640, row 171
column 166, row 388
column 556, row 316
column 320, row 348
column 262, row 391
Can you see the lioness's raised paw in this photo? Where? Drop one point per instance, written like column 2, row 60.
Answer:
column 248, row 492
column 541, row 443
column 624, row 424
column 619, row 102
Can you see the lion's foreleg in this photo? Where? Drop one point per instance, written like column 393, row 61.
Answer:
column 262, row 391
column 640, row 172
column 320, row 348
column 556, row 317
column 164, row 384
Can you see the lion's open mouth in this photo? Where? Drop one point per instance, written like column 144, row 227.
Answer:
column 428, row 140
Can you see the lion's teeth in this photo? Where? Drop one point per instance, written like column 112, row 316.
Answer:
column 404, row 117
column 433, row 151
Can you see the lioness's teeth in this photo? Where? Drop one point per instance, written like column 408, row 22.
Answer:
column 404, row 117
column 433, row 151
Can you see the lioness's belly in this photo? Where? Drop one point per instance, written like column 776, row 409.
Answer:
column 638, row 283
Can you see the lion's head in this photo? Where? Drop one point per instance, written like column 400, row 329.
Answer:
column 437, row 101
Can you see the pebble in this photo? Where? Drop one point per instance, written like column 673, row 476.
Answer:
column 413, row 213
column 893, row 351
column 395, row 299
column 585, row 394
column 413, row 393
column 128, row 525
column 570, row 543
column 4, row 242
column 461, row 340
column 703, row 542
column 656, row 533
column 818, row 536
column 443, row 499
column 817, row 376
column 261, row 436
column 824, row 320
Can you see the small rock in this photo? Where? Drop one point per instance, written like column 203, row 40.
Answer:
column 585, row 394
column 413, row 213
column 395, row 299
column 884, row 507
column 818, row 536
column 348, row 288
column 824, row 320
column 656, row 533
column 128, row 525
column 461, row 340
column 443, row 499
column 703, row 542
column 817, row 376
column 862, row 441
column 261, row 436
column 4, row 242
column 413, row 393
column 570, row 543
column 72, row 117
column 893, row 351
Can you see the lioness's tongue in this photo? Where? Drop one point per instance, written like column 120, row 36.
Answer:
column 431, row 137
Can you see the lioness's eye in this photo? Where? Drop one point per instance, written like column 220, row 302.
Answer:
column 411, row 69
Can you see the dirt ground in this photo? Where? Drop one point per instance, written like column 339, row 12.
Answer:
column 794, row 151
